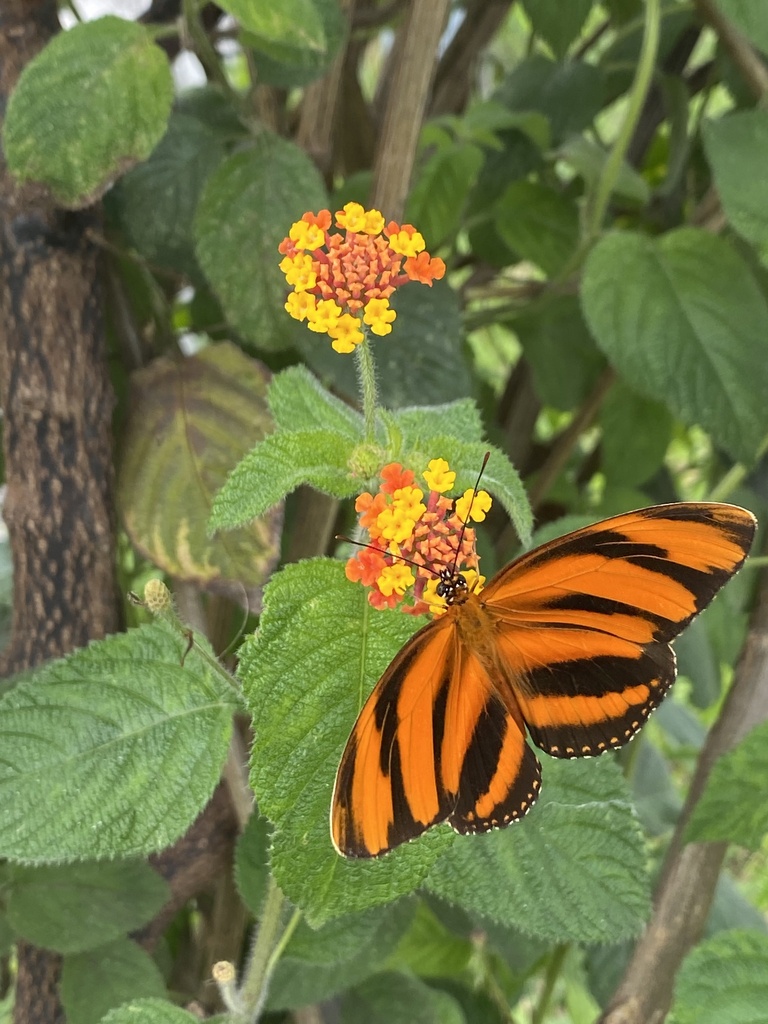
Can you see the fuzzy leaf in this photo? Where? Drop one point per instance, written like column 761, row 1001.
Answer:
column 396, row 998
column 252, row 863
column 95, row 982
column 191, row 421
column 122, row 740
column 318, row 652
column 94, row 102
column 573, row 869
column 418, row 425
column 74, row 907
column 651, row 306
column 737, row 149
column 299, row 402
column 321, row 963
column 149, row 1011
column 246, row 209
column 278, row 466
column 724, row 981
column 729, row 808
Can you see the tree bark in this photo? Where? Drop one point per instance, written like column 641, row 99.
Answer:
column 57, row 403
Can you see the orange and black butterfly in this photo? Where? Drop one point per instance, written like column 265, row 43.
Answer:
column 571, row 642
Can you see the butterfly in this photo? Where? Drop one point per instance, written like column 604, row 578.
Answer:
column 570, row 642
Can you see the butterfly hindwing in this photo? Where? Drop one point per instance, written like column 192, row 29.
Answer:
column 583, row 623
column 433, row 742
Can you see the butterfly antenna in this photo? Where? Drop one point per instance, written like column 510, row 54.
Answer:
column 360, row 544
column 466, row 521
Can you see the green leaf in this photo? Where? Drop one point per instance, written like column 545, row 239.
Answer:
column 252, row 863
column 318, row 652
column 421, row 362
column 737, row 149
column 539, row 224
column 149, row 1011
column 684, row 321
column 155, row 203
column 74, row 907
column 190, row 422
column 728, row 809
column 573, row 869
column 631, row 456
column 94, row 102
column 396, row 998
column 122, row 740
column 299, row 402
column 588, row 158
column 440, row 191
column 291, row 23
column 429, row 949
column 457, row 419
column 751, row 16
column 570, row 94
column 285, row 58
column 278, row 466
column 96, row 982
column 318, row 964
column 564, row 359
column 724, row 981
column 557, row 23
column 246, row 209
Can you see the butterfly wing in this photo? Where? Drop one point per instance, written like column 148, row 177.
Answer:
column 583, row 623
column 433, row 742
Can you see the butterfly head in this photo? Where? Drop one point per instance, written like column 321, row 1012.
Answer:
column 452, row 587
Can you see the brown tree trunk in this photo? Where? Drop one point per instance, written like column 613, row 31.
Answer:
column 57, row 403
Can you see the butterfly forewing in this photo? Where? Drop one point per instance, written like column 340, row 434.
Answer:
column 584, row 622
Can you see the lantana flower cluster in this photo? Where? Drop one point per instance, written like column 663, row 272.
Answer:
column 405, row 523
column 342, row 281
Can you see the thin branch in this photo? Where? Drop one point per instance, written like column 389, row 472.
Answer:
column 415, row 52
column 751, row 66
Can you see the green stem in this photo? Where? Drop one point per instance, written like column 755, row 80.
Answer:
column 554, row 967
column 734, row 477
column 266, row 951
column 366, row 373
column 637, row 96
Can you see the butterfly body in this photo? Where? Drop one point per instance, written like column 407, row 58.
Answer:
column 570, row 643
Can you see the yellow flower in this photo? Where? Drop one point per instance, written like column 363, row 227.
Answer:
column 346, row 333
column 395, row 579
column 439, row 476
column 408, row 500
column 324, row 316
column 301, row 305
column 299, row 271
column 379, row 316
column 306, row 236
column 407, row 241
column 481, row 504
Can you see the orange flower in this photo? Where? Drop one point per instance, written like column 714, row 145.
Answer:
column 413, row 539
